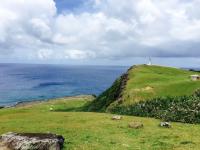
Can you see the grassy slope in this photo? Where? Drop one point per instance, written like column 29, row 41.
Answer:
column 96, row 131
column 164, row 81
column 146, row 82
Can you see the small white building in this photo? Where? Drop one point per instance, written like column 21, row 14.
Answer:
column 195, row 77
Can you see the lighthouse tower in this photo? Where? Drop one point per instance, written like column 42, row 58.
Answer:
column 150, row 62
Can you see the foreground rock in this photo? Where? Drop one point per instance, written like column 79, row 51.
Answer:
column 135, row 125
column 31, row 141
column 116, row 117
column 165, row 124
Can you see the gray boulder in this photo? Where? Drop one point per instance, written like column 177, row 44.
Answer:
column 31, row 141
column 135, row 125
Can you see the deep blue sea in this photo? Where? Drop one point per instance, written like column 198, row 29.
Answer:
column 26, row 82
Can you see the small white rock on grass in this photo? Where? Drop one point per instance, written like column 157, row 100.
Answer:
column 116, row 117
column 165, row 124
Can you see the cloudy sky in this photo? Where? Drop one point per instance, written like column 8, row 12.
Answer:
column 100, row 32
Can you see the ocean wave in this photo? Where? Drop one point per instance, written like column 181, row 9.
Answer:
column 47, row 84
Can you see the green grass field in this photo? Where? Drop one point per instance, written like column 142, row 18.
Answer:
column 146, row 82
column 96, row 131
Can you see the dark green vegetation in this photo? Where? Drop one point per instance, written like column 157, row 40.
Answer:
column 153, row 91
column 184, row 109
column 96, row 131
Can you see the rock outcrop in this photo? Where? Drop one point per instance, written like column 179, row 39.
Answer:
column 135, row 125
column 165, row 124
column 31, row 141
column 116, row 117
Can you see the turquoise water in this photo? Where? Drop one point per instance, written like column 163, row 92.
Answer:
column 25, row 82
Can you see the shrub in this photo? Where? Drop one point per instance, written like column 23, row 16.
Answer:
column 181, row 109
column 197, row 93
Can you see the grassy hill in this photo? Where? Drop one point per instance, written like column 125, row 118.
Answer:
column 148, row 91
column 144, row 82
column 96, row 131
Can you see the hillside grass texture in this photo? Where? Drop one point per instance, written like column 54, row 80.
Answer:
column 96, row 131
column 145, row 83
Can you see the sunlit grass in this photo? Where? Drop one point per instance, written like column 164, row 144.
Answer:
column 164, row 81
column 96, row 131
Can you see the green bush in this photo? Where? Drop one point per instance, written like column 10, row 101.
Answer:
column 181, row 109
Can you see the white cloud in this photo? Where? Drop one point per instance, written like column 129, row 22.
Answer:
column 113, row 29
column 45, row 54
column 78, row 54
column 40, row 28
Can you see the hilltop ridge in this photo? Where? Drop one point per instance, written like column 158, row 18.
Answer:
column 144, row 82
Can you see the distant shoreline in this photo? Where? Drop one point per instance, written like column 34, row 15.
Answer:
column 33, row 102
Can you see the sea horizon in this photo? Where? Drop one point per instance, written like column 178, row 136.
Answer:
column 32, row 82
column 24, row 88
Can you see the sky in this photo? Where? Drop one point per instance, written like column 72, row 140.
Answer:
column 100, row 32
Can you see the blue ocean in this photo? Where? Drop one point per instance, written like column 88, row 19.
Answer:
column 27, row 82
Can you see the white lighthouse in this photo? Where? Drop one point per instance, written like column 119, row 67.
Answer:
column 150, row 62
